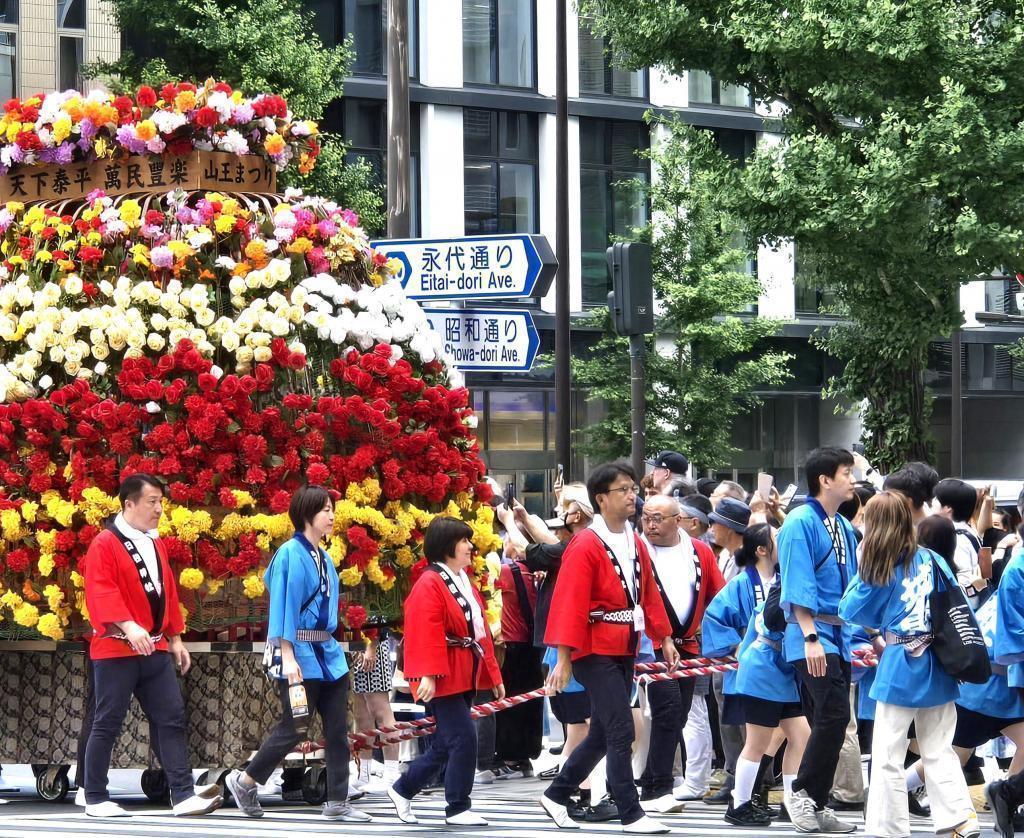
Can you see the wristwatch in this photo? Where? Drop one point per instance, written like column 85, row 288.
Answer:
column 811, row 638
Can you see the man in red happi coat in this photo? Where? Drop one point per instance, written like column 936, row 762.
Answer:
column 604, row 597
column 132, row 600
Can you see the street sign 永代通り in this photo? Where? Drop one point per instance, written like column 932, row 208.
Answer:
column 473, row 267
column 487, row 339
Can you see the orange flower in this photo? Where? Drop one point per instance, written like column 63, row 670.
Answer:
column 29, row 593
column 300, row 245
column 256, row 252
column 274, row 144
column 185, row 101
column 146, row 129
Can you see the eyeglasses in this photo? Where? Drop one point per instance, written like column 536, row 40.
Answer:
column 657, row 520
column 625, row 490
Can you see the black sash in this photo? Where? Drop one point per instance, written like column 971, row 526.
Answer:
column 631, row 600
column 679, row 629
column 156, row 600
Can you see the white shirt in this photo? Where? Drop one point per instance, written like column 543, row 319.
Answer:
column 727, row 564
column 966, row 560
column 623, row 547
column 466, row 588
column 674, row 566
column 143, row 542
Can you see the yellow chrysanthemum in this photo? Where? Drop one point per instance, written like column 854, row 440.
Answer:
column 49, row 625
column 253, row 586
column 26, row 615
column 351, row 576
column 191, row 578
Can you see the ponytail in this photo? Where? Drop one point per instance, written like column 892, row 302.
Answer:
column 757, row 535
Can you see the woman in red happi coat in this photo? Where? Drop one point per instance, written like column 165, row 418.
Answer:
column 448, row 656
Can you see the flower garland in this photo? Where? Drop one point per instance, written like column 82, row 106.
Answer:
column 71, row 127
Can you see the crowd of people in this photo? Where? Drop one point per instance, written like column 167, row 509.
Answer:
column 661, row 570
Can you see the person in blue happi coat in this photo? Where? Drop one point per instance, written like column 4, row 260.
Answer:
column 303, row 584
column 892, row 593
column 817, row 559
column 1005, row 796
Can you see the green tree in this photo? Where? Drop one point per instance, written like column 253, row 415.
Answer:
column 255, row 46
column 900, row 176
column 704, row 366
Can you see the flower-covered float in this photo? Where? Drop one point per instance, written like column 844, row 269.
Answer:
column 234, row 342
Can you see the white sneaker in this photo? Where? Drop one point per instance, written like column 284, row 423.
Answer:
column 403, row 807
column 484, row 778
column 558, row 813
column 80, row 797
column 208, row 792
column 645, row 826
column 106, row 809
column 686, row 793
column 467, row 818
column 196, row 805
column 800, row 807
column 663, row 805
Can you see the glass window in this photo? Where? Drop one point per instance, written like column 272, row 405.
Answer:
column 497, row 42
column 810, row 297
column 8, row 11
column 367, row 22
column 705, row 89
column 610, row 204
column 327, row 20
column 71, row 14
column 516, row 420
column 500, row 150
column 599, row 76
column 363, row 124
column 70, row 60
column 8, row 65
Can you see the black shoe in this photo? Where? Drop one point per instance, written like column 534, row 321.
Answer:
column 576, row 811
column 1018, row 821
column 722, row 797
column 783, row 814
column 557, row 749
column 917, row 808
column 844, row 805
column 760, row 801
column 1002, row 808
column 747, row 815
column 605, row 810
column 550, row 773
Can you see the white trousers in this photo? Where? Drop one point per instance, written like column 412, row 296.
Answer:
column 887, row 813
column 699, row 750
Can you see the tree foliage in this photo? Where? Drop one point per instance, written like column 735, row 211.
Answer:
column 256, row 46
column 702, row 369
column 901, row 175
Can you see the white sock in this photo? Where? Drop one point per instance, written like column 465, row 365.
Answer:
column 914, row 781
column 746, row 774
column 787, row 783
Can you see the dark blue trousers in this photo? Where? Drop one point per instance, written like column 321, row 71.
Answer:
column 153, row 681
column 452, row 747
column 609, row 682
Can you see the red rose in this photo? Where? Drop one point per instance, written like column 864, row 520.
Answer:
column 207, row 382
column 146, row 96
column 168, row 92
column 207, row 117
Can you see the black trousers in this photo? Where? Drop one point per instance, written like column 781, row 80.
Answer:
column 670, row 706
column 826, row 702
column 152, row 679
column 609, row 682
column 486, row 734
column 330, row 700
column 520, row 730
column 452, row 747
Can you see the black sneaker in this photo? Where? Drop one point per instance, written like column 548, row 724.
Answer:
column 722, row 797
column 576, row 810
column 1002, row 808
column 604, row 810
column 747, row 815
column 760, row 801
column 844, row 805
column 917, row 808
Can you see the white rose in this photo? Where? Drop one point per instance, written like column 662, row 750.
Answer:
column 158, row 322
column 45, row 382
column 73, row 284
column 261, row 354
column 155, row 342
column 280, row 327
column 106, row 289
column 238, row 302
column 298, row 296
column 205, row 317
column 56, row 354
column 133, row 352
column 230, row 341
column 244, row 355
column 236, row 286
column 117, row 341
column 152, row 407
column 216, row 371
column 122, row 299
column 71, row 367
column 23, row 297
column 100, row 368
column 253, row 280
column 100, row 351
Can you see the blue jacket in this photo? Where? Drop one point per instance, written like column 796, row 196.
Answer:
column 727, row 617
column 292, row 579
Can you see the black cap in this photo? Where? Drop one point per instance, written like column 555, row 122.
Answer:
column 706, row 485
column 673, row 461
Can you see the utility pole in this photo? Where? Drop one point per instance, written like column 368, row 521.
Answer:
column 563, row 339
column 956, row 450
column 399, row 152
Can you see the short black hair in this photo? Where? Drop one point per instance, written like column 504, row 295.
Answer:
column 131, row 487
column 698, row 501
column 756, row 535
column 603, row 476
column 928, row 476
column 706, row 486
column 908, row 484
column 959, row 496
column 306, row 503
column 680, row 488
column 824, row 462
column 849, row 508
column 443, row 533
column 939, row 535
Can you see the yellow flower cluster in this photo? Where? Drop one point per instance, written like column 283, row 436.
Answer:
column 191, row 578
column 253, row 586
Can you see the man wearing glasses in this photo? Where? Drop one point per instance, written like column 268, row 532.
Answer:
column 605, row 596
column 687, row 578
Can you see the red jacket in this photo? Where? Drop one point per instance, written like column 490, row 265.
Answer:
column 114, row 594
column 431, row 614
column 587, row 581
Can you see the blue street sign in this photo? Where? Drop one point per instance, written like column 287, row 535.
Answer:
column 473, row 267
column 487, row 339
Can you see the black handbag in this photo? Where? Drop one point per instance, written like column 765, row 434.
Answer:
column 956, row 637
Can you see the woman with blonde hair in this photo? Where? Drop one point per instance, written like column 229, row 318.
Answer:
column 891, row 592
